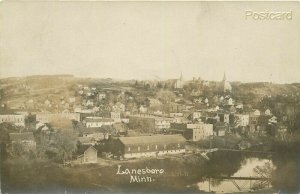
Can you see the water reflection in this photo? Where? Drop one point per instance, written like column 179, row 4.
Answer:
column 250, row 167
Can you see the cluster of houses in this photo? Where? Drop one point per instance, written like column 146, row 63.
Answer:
column 99, row 119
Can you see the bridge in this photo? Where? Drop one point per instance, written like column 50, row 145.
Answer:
column 238, row 178
column 249, row 151
column 252, row 183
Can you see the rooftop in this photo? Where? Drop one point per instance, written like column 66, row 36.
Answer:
column 152, row 139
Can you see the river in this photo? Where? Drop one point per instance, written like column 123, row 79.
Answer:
column 235, row 185
column 181, row 175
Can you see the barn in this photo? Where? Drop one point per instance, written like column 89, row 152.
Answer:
column 147, row 146
column 88, row 156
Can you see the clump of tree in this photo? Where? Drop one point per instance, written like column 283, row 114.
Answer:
column 65, row 144
column 58, row 146
column 143, row 125
column 61, row 124
column 5, row 129
column 166, row 96
column 19, row 151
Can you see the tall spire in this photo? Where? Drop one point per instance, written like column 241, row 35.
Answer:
column 224, row 77
column 181, row 77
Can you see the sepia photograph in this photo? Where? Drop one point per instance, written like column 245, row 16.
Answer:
column 152, row 97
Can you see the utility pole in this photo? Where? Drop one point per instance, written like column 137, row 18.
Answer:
column 0, row 165
column 208, row 184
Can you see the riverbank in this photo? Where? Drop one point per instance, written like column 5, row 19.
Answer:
column 38, row 175
column 181, row 173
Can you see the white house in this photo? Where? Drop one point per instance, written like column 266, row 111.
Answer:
column 273, row 119
column 143, row 109
column 268, row 112
column 230, row 101
column 256, row 112
column 196, row 115
column 205, row 100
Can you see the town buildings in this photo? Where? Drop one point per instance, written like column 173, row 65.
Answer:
column 193, row 131
column 18, row 120
column 91, row 136
column 199, row 131
column 134, row 115
column 97, row 121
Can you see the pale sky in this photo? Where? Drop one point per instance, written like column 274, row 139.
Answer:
column 145, row 40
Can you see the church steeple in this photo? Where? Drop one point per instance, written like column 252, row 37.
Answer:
column 179, row 82
column 224, row 77
column 225, row 84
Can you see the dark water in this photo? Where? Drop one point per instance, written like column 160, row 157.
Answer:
column 246, row 170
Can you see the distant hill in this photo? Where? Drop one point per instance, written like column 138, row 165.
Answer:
column 265, row 89
column 19, row 90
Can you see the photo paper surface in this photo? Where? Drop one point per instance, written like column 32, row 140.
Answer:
column 149, row 97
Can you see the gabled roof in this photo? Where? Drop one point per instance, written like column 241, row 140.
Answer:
column 83, row 148
column 152, row 139
column 91, row 148
column 28, row 136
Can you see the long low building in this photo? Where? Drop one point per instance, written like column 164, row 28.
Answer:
column 48, row 117
column 147, row 146
column 97, row 122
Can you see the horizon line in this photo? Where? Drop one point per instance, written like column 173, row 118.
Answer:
column 138, row 79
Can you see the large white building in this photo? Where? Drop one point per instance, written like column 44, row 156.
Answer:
column 116, row 116
column 200, row 131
